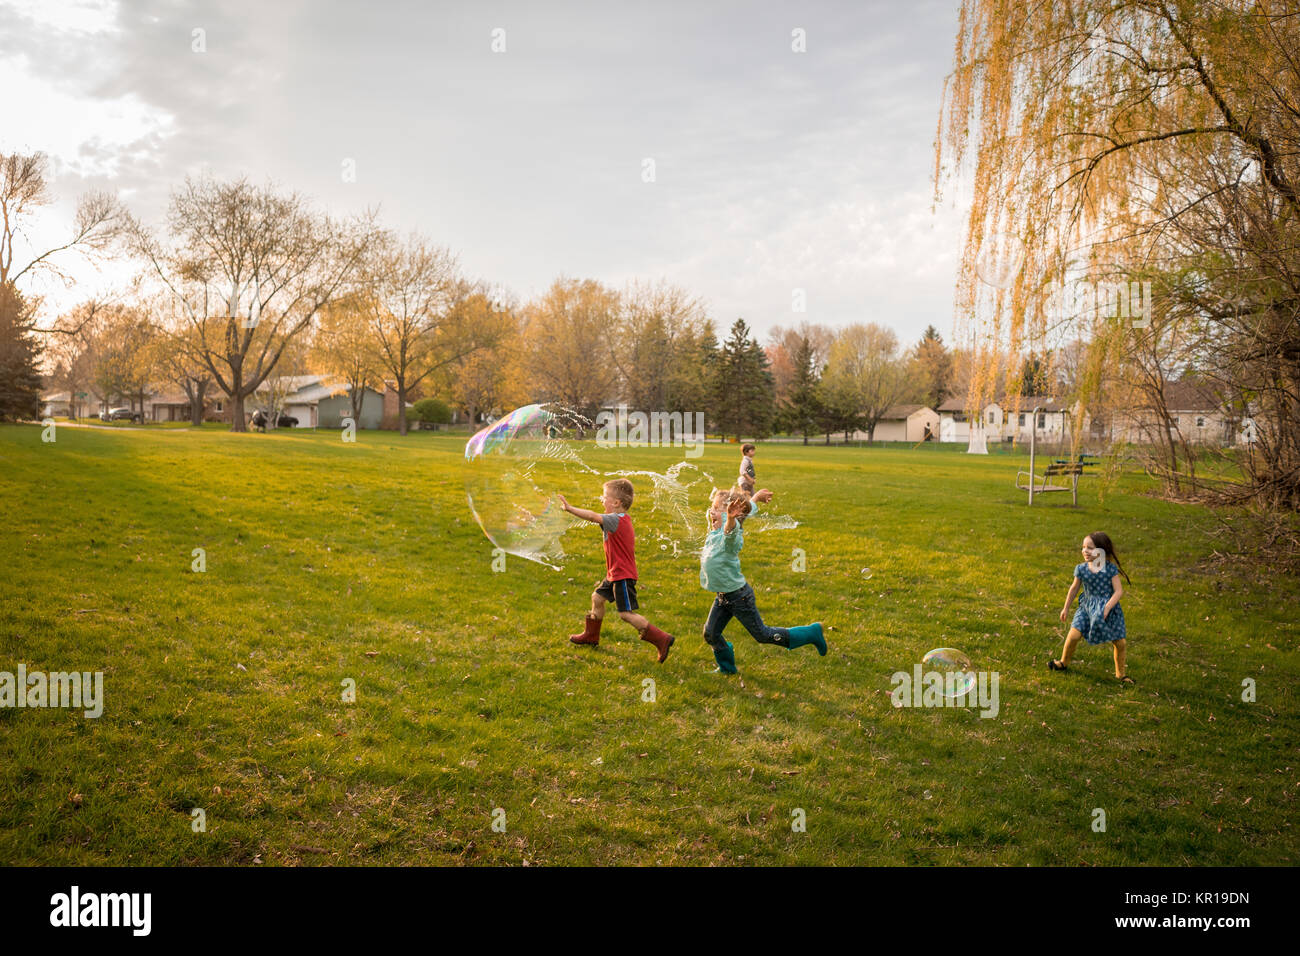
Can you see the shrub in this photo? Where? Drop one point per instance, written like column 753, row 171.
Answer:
column 432, row 410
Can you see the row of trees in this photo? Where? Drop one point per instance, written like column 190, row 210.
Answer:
column 246, row 286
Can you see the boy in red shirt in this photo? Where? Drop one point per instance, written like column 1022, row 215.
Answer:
column 619, row 585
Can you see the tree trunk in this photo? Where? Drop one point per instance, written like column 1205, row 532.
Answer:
column 355, row 400
column 237, row 423
column 196, row 402
column 401, row 406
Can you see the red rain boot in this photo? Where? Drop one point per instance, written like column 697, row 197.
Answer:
column 659, row 639
column 590, row 633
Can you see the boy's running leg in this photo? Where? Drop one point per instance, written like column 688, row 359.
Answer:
column 591, row 627
column 661, row 640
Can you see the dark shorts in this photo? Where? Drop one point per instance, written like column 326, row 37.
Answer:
column 621, row 592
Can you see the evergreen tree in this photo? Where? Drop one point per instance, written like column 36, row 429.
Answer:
column 692, row 376
column 802, row 410
column 932, row 370
column 745, row 395
column 20, row 381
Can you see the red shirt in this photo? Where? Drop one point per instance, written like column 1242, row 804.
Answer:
column 620, row 547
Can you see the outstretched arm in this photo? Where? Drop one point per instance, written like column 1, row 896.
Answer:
column 582, row 513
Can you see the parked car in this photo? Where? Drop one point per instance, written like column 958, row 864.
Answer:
column 286, row 421
column 118, row 414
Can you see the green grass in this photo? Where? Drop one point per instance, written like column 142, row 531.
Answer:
column 328, row 561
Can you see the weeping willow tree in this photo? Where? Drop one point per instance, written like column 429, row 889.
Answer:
column 1133, row 169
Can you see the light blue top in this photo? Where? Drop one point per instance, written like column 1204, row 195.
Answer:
column 720, row 557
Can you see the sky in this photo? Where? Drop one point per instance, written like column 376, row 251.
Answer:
column 682, row 141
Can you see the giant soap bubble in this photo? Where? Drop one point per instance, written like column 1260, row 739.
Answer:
column 515, row 468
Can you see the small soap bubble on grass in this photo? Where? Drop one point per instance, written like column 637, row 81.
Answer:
column 867, row 574
column 958, row 677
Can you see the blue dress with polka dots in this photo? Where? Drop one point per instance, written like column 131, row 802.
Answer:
column 1097, row 590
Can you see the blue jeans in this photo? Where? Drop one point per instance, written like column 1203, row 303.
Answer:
column 741, row 605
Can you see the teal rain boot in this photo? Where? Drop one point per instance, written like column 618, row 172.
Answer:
column 808, row 634
column 726, row 659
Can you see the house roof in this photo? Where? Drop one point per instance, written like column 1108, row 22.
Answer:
column 291, row 383
column 1186, row 396
column 1027, row 403
column 316, row 392
column 65, row 396
column 321, row 390
column 897, row 412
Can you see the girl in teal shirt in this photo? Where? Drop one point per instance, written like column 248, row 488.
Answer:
column 720, row 573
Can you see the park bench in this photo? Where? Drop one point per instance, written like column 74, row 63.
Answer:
column 1059, row 469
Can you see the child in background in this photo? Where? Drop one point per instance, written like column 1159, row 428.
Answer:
column 720, row 573
column 619, row 585
column 747, row 479
column 1099, row 619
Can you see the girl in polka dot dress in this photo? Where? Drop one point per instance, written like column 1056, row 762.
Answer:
column 1099, row 619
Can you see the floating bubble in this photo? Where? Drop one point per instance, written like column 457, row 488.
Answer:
column 867, row 574
column 516, row 466
column 768, row 521
column 955, row 667
column 999, row 260
column 665, row 510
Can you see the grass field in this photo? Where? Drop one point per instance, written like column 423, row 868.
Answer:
column 328, row 561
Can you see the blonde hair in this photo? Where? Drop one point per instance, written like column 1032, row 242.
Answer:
column 732, row 495
column 621, row 489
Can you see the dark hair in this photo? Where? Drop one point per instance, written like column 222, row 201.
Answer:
column 1101, row 539
column 746, row 448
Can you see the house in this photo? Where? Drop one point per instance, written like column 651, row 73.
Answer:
column 1011, row 419
column 1195, row 415
column 954, row 423
column 1007, row 419
column 905, row 423
column 64, row 405
column 318, row 401
column 169, row 403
